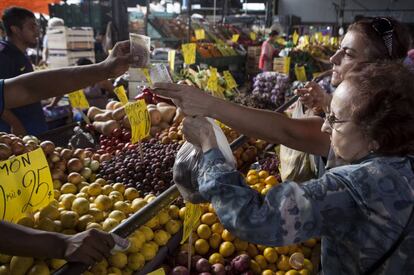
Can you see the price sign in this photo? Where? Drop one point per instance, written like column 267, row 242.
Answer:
column 286, row 65
column 26, row 185
column 305, row 40
column 189, row 52
column 319, row 37
column 235, row 38
column 300, row 73
column 121, row 94
column 295, row 38
column 146, row 73
column 139, row 119
column 253, row 36
column 325, row 40
column 192, row 214
column 281, row 41
column 171, row 60
column 78, row 100
column 334, row 41
column 200, row 34
column 231, row 83
column 219, row 93
column 212, row 82
column 159, row 271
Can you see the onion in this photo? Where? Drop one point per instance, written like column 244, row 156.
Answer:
column 87, row 162
column 96, row 157
column 86, row 172
column 57, row 174
column 18, row 148
column 104, row 157
column 66, row 154
column 75, row 165
column 54, row 157
column 61, row 164
column 79, row 153
column 74, row 178
column 5, row 151
column 88, row 153
column 94, row 165
column 48, row 147
column 6, row 140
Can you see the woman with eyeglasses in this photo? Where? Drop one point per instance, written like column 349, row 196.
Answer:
column 363, row 211
column 367, row 40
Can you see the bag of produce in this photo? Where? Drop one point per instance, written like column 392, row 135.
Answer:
column 296, row 165
column 188, row 161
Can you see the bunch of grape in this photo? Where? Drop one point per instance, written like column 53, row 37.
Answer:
column 271, row 164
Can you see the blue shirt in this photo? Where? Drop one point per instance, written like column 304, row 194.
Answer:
column 358, row 210
column 14, row 62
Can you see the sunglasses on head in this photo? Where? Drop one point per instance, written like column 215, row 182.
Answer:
column 384, row 27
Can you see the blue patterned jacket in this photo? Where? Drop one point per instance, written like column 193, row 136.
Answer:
column 358, row 210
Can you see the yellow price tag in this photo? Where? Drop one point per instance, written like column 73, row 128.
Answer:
column 325, row 40
column 319, row 37
column 146, row 73
column 231, row 83
column 281, row 41
column 305, row 40
column 171, row 60
column 253, row 36
column 300, row 73
column 26, row 185
column 295, row 38
column 159, row 271
column 334, row 41
column 189, row 52
column 235, row 38
column 139, row 119
column 192, row 214
column 286, row 65
column 78, row 100
column 212, row 82
column 121, row 94
column 200, row 34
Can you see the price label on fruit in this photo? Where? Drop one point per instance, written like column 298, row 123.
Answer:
column 212, row 83
column 121, row 94
column 295, row 37
column 139, row 119
column 193, row 213
column 171, row 59
column 300, row 73
column 286, row 65
column 78, row 100
column 253, row 36
column 231, row 83
column 235, row 38
column 189, row 52
column 200, row 34
column 26, row 185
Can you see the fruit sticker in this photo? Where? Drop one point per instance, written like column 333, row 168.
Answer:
column 138, row 116
column 200, row 34
column 300, row 73
column 26, row 185
column 121, row 94
column 189, row 52
column 78, row 100
column 192, row 215
column 231, row 83
column 235, row 38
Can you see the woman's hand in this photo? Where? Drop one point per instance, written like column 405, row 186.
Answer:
column 191, row 100
column 314, row 97
column 199, row 132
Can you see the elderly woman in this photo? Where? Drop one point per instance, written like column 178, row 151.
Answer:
column 362, row 211
column 366, row 40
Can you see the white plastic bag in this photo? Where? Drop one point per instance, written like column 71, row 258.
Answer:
column 188, row 161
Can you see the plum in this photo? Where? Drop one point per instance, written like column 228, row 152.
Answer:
column 180, row 270
column 218, row 269
column 241, row 263
column 182, row 258
column 203, row 265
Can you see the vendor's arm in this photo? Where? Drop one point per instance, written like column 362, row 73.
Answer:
column 289, row 213
column 299, row 134
column 87, row 247
column 16, row 126
column 33, row 87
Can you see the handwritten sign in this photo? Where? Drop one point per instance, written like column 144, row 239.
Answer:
column 189, row 52
column 193, row 213
column 212, row 82
column 253, row 36
column 235, row 38
column 286, row 65
column 171, row 59
column 200, row 34
column 139, row 119
column 325, row 40
column 146, row 73
column 121, row 94
column 295, row 38
column 300, row 73
column 78, row 100
column 159, row 271
column 319, row 37
column 281, row 41
column 231, row 83
column 26, row 185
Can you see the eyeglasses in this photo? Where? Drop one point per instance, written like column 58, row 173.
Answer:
column 332, row 120
column 385, row 28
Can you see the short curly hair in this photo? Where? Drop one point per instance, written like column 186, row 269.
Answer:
column 383, row 105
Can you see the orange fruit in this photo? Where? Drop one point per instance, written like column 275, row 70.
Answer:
column 307, row 264
column 280, row 272
column 217, row 228
column 181, row 213
column 216, row 258
column 240, row 245
column 209, row 218
column 267, row 272
column 201, row 246
column 304, row 272
column 203, row 231
column 283, row 263
column 263, row 174
column 310, row 243
column 227, row 249
column 227, row 236
column 252, row 172
column 261, row 261
column 270, row 254
column 252, row 179
column 255, row 267
column 282, row 250
column 271, row 180
column 214, row 240
column 252, row 250
column 292, row 272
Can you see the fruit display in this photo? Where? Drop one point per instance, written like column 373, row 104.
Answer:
column 210, row 50
column 271, row 86
column 271, row 164
column 214, row 250
column 152, row 174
